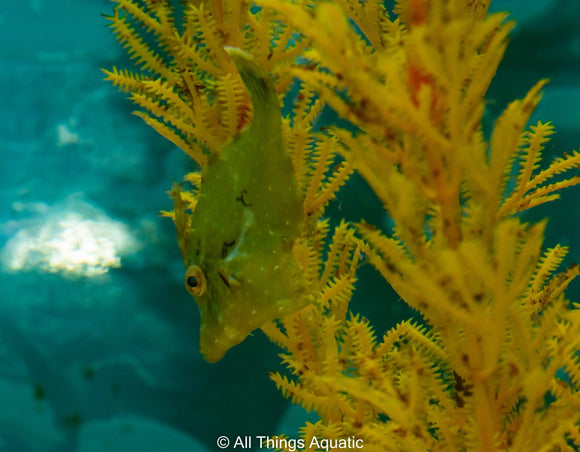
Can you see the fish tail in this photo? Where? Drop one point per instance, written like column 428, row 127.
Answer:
column 260, row 85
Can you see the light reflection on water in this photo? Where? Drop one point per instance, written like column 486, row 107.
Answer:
column 77, row 239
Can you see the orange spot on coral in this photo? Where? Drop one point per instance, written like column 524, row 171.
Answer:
column 419, row 10
column 416, row 79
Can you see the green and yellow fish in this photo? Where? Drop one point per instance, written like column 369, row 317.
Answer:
column 238, row 249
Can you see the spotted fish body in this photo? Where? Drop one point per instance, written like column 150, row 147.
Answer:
column 239, row 261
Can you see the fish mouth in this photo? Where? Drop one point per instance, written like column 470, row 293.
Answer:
column 214, row 346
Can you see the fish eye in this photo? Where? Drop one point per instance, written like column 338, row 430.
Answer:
column 195, row 282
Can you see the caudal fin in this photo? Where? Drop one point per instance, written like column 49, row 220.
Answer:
column 260, row 85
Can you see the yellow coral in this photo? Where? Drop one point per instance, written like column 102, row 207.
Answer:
column 496, row 365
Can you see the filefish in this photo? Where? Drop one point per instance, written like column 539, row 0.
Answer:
column 238, row 251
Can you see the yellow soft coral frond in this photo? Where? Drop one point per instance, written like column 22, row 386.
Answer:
column 300, row 137
column 321, row 187
column 551, row 259
column 138, row 49
column 533, row 142
column 295, row 392
column 558, row 166
column 493, row 363
column 529, row 191
column 429, row 343
column 308, row 252
column 125, row 80
column 361, row 336
column 505, row 139
column 288, row 44
column 148, row 21
column 371, row 18
column 182, row 115
column 201, row 28
column 339, row 260
column 191, row 82
column 548, row 293
column 233, row 101
column 167, row 132
column 546, row 193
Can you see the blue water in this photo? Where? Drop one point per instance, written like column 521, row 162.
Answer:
column 98, row 338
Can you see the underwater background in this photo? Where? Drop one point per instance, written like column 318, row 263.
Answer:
column 98, row 338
